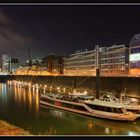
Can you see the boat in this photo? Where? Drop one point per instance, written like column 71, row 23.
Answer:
column 76, row 93
column 95, row 108
column 130, row 105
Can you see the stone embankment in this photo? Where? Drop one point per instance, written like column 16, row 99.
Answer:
column 7, row 129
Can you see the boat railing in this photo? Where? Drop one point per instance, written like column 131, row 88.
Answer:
column 124, row 111
column 88, row 108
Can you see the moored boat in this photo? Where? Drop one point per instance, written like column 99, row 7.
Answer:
column 129, row 105
column 95, row 108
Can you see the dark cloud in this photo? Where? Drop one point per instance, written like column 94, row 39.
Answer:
column 4, row 20
column 64, row 29
column 11, row 41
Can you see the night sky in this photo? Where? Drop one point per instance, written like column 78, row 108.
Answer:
column 64, row 29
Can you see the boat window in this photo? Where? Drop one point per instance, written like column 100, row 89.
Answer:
column 74, row 106
column 118, row 110
column 106, row 109
column 47, row 100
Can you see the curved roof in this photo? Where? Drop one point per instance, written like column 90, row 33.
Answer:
column 135, row 40
column 106, row 103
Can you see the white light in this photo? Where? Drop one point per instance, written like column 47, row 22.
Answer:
column 135, row 57
column 132, row 134
column 85, row 92
column 133, row 100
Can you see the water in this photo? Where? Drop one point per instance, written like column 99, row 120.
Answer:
column 20, row 106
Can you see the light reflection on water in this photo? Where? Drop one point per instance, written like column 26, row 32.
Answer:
column 20, row 106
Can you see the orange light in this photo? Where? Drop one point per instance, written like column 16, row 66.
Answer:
column 134, row 71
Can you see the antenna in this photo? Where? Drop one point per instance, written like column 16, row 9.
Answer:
column 29, row 57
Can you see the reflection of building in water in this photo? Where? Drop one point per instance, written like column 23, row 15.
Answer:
column 3, row 95
column 90, row 125
column 29, row 100
column 56, row 113
column 26, row 97
column 51, row 131
column 133, row 133
column 112, row 128
column 107, row 131
column 37, row 104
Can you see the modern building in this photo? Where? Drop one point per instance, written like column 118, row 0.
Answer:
column 134, row 56
column 80, row 63
column 13, row 64
column 112, row 62
column 5, row 63
column 8, row 64
column 53, row 63
column 34, row 62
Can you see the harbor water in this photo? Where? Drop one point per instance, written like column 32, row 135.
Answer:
column 20, row 106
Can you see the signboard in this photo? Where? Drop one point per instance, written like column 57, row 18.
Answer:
column 135, row 57
column 135, row 60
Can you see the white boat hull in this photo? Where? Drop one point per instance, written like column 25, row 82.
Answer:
column 94, row 113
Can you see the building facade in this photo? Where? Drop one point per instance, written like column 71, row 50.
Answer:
column 8, row 64
column 112, row 62
column 53, row 63
column 134, row 53
column 34, row 62
column 80, row 63
column 13, row 64
column 5, row 63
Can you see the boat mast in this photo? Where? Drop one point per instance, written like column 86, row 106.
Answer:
column 97, row 72
column 29, row 57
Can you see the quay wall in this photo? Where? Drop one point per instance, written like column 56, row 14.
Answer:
column 130, row 85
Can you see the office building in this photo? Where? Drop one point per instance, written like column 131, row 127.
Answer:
column 13, row 64
column 5, row 63
column 34, row 62
column 113, row 61
column 80, row 63
column 53, row 63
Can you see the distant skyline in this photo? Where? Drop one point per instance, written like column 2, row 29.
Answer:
column 64, row 29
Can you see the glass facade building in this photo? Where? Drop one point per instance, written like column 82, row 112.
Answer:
column 112, row 61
